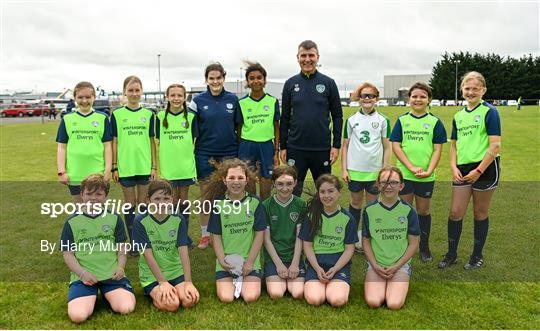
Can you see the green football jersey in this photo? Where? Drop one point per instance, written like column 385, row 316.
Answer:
column 337, row 230
column 164, row 238
column 258, row 118
column 176, row 147
column 133, row 128
column 283, row 220
column 417, row 136
column 238, row 229
column 471, row 132
column 93, row 239
column 84, row 148
column 388, row 229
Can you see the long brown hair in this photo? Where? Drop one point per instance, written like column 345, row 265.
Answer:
column 168, row 108
column 315, row 207
column 216, row 188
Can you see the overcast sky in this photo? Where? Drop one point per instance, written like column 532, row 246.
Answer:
column 52, row 45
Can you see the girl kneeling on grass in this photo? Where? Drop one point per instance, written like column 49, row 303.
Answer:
column 329, row 234
column 98, row 268
column 284, row 267
column 164, row 267
column 237, row 226
column 387, row 248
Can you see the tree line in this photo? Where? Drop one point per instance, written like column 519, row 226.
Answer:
column 506, row 77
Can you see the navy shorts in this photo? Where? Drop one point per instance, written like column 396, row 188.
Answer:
column 487, row 181
column 148, row 288
column 343, row 274
column 78, row 289
column 74, row 189
column 369, row 187
column 271, row 270
column 421, row 189
column 259, row 155
column 318, row 162
column 224, row 274
column 182, row 182
column 134, row 180
column 204, row 168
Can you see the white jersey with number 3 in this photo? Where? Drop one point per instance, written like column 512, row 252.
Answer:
column 365, row 134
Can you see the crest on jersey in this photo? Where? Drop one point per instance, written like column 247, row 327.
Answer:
column 184, row 125
column 291, row 162
column 294, row 216
column 143, row 119
column 125, row 120
column 477, row 118
column 378, row 220
column 339, row 229
column 83, row 231
column 95, row 123
column 374, row 125
column 426, row 126
column 266, row 108
column 172, row 233
column 296, row 88
column 325, row 163
column 106, row 228
column 402, row 219
column 320, row 88
column 229, row 106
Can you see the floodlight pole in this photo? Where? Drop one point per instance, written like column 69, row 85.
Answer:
column 159, row 74
column 455, row 90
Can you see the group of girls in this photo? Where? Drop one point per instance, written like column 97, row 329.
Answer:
column 203, row 141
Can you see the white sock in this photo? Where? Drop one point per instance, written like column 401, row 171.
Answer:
column 204, row 231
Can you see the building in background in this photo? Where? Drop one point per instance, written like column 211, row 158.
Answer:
column 396, row 87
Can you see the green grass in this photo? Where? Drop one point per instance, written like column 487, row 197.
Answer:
column 503, row 295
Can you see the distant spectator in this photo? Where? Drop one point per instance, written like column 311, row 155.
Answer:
column 70, row 106
column 520, row 100
column 52, row 110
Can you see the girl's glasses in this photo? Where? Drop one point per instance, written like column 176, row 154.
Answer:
column 367, row 96
column 391, row 184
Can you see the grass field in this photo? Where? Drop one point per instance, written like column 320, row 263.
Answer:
column 503, row 295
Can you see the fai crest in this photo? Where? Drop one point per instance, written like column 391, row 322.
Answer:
column 374, row 125
column 320, row 88
column 294, row 216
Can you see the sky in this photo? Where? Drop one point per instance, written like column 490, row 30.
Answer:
column 52, row 45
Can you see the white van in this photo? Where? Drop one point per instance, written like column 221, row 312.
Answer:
column 382, row 103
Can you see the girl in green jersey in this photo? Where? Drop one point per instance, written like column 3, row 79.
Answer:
column 164, row 268
column 474, row 160
column 237, row 226
column 390, row 239
column 175, row 131
column 134, row 150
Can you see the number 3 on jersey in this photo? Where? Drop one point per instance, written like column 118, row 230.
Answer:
column 365, row 137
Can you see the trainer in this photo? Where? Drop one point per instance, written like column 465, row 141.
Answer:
column 309, row 100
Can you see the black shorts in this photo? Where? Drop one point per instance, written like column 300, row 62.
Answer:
column 148, row 288
column 370, row 187
column 318, row 162
column 487, row 181
column 421, row 189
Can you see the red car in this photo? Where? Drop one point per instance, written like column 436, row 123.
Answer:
column 21, row 110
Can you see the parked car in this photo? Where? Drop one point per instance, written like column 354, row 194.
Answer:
column 400, row 103
column 435, row 102
column 21, row 110
column 450, row 102
column 512, row 103
column 354, row 104
column 382, row 103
